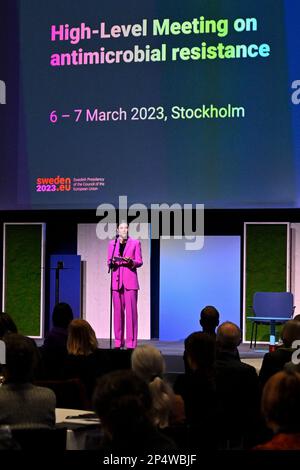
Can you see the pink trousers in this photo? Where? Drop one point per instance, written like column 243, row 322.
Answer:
column 125, row 301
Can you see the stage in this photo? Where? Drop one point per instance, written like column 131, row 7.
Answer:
column 173, row 353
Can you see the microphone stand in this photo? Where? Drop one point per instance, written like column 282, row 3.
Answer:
column 110, row 270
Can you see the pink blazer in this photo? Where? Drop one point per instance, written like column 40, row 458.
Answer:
column 122, row 273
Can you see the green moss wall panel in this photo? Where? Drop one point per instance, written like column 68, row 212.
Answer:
column 24, row 276
column 266, row 258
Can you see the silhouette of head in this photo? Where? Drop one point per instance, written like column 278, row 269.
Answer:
column 209, row 319
column 290, row 332
column 20, row 358
column 200, row 350
column 123, row 403
column 62, row 315
column 297, row 317
column 7, row 325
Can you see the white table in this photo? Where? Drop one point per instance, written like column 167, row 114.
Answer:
column 75, row 438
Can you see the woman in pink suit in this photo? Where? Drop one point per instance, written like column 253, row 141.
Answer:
column 125, row 285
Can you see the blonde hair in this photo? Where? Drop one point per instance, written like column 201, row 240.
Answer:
column 148, row 363
column 82, row 339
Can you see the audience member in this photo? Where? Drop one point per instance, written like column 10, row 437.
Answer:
column 198, row 389
column 23, row 404
column 209, row 320
column 123, row 403
column 237, row 388
column 167, row 408
column 275, row 361
column 85, row 360
column 7, row 325
column 228, row 339
column 57, row 337
column 54, row 349
column 280, row 407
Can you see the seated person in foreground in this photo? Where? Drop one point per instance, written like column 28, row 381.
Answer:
column 123, row 403
column 54, row 349
column 198, row 390
column 168, row 408
column 209, row 320
column 85, row 361
column 275, row 361
column 237, row 387
column 7, row 325
column 280, row 407
column 23, row 404
column 57, row 337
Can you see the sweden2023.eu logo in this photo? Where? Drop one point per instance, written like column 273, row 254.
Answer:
column 2, row 352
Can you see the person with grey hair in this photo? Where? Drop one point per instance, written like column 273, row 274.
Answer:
column 148, row 363
column 237, row 387
column 228, row 337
